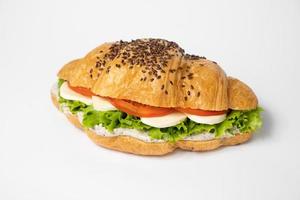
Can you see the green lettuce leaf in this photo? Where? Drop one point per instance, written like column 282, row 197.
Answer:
column 171, row 134
column 60, row 82
column 74, row 106
column 244, row 121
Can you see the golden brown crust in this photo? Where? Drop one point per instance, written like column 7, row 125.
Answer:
column 241, row 96
column 131, row 145
column 158, row 73
column 135, row 146
column 150, row 71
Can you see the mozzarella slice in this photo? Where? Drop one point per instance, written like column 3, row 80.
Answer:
column 215, row 119
column 102, row 104
column 67, row 93
column 164, row 121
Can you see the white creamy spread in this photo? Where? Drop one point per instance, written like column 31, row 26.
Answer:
column 80, row 116
column 201, row 137
column 141, row 135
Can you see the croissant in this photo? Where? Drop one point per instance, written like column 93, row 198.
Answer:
column 159, row 75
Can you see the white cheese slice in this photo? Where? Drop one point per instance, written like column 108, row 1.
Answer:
column 164, row 121
column 102, row 104
column 67, row 93
column 214, row 119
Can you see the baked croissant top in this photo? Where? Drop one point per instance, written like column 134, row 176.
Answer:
column 159, row 73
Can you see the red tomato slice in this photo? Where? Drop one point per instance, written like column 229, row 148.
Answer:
column 82, row 90
column 200, row 112
column 140, row 110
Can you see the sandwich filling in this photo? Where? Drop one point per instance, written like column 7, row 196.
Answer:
column 106, row 119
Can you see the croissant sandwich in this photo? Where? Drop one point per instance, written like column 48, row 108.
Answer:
column 149, row 97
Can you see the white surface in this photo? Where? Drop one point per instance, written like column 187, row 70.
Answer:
column 43, row 157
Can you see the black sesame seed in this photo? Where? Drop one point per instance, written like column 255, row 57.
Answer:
column 162, row 87
column 198, row 94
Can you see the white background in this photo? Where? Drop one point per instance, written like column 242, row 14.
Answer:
column 43, row 157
